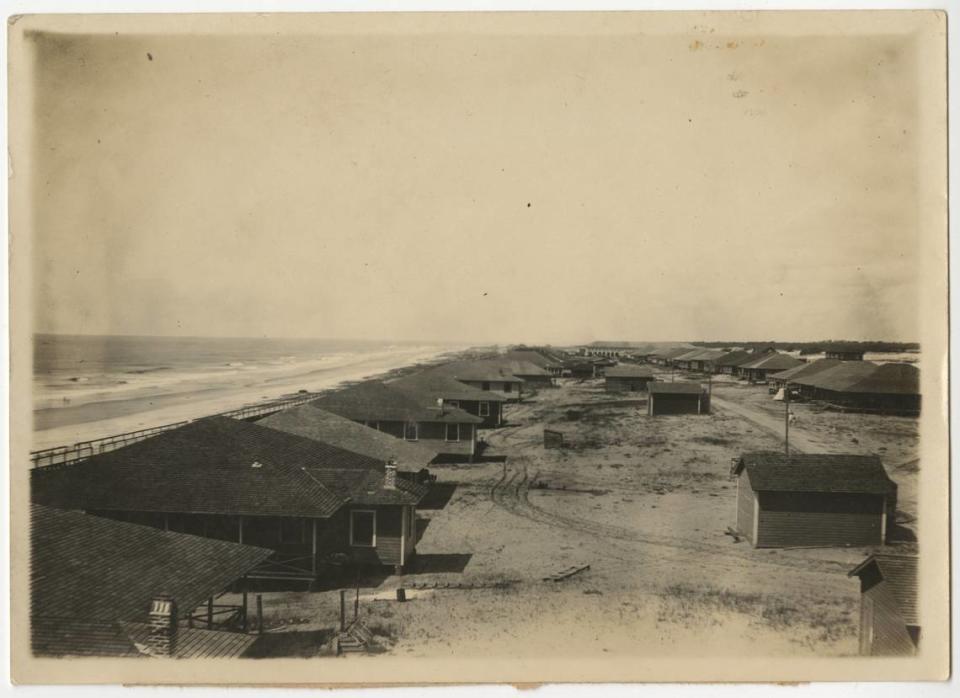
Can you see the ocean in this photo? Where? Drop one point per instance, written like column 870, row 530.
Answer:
column 110, row 383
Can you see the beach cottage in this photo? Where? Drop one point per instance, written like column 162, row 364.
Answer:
column 393, row 410
column 889, row 622
column 627, row 378
column 310, row 503
column 487, row 375
column 433, row 386
column 813, row 499
column 676, row 398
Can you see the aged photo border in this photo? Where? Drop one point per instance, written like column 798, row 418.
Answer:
column 934, row 423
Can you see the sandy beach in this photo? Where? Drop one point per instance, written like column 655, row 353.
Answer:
column 205, row 396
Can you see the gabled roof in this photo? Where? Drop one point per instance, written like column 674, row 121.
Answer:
column 815, row 472
column 431, row 385
column 629, row 371
column 900, row 572
column 734, row 358
column 376, row 401
column 87, row 573
column 367, row 486
column 773, row 362
column 839, row 377
column 216, row 465
column 482, row 370
column 313, row 423
column 680, row 387
column 672, row 353
column 806, row 370
column 532, row 356
column 688, row 355
column 889, row 379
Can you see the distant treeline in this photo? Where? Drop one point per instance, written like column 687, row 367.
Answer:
column 820, row 346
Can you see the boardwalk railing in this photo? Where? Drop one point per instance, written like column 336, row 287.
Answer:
column 80, row 451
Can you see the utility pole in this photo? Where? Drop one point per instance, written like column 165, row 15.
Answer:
column 786, row 419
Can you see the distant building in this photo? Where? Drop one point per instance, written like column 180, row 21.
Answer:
column 792, row 375
column 813, row 499
column 676, row 398
column 432, row 386
column 448, row 430
column 843, row 352
column 627, row 378
column 490, row 375
column 539, row 357
column 728, row 363
column 889, row 622
column 767, row 364
column 104, row 588
column 863, row 386
column 326, row 427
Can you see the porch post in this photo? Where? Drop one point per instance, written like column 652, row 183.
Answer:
column 314, row 558
column 240, row 537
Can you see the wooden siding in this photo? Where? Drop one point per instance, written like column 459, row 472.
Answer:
column 745, row 507
column 666, row 403
column 433, row 434
column 882, row 628
column 817, row 519
column 473, row 407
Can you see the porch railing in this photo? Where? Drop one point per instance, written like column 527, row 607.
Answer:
column 80, row 451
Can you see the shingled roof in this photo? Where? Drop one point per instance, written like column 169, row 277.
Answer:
column 431, row 385
column 376, row 401
column 900, row 572
column 734, row 358
column 88, row 573
column 367, row 486
column 215, row 465
column 482, row 370
column 773, row 362
column 839, row 377
column 533, row 356
column 889, row 379
column 629, row 371
column 314, row 423
column 806, row 370
column 815, row 472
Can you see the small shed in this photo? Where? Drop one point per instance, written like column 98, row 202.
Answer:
column 813, row 499
column 889, row 622
column 676, row 398
column 627, row 378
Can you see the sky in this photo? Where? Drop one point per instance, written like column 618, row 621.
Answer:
column 477, row 186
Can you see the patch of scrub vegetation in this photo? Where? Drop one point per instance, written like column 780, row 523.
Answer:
column 819, row 621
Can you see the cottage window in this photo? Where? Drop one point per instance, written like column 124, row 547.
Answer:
column 363, row 528
column 507, row 387
column 453, row 432
column 484, row 409
column 410, row 431
column 486, row 385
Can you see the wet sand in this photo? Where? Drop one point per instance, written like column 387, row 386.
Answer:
column 68, row 425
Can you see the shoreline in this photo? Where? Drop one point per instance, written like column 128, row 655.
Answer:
column 71, row 427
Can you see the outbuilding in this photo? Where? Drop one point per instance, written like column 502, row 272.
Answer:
column 676, row 398
column 813, row 499
column 889, row 622
column 627, row 378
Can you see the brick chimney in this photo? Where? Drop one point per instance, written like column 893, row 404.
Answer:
column 390, row 475
column 162, row 640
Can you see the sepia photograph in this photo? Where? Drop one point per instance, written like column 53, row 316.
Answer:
column 415, row 348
